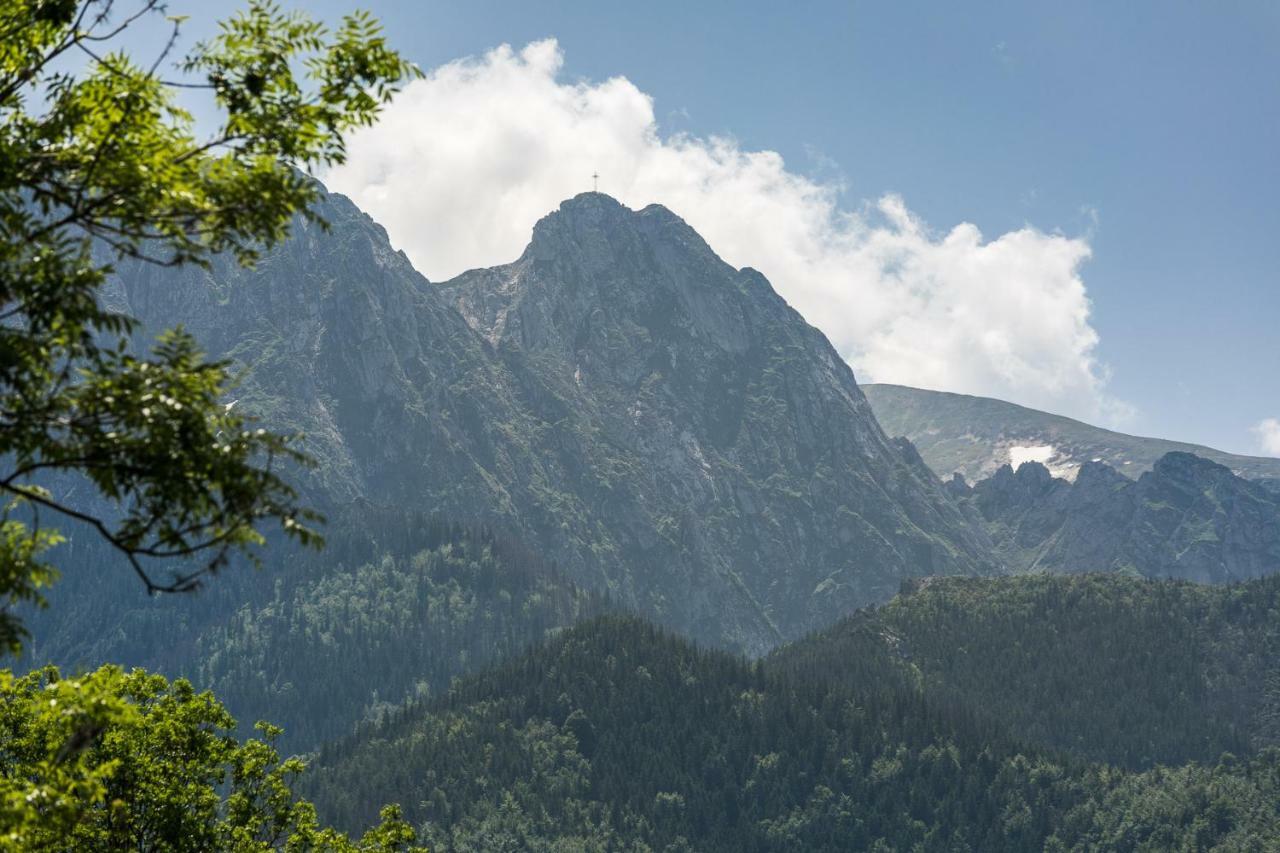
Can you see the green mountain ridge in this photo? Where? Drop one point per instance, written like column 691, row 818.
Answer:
column 974, row 436
column 1129, row 671
column 617, row 736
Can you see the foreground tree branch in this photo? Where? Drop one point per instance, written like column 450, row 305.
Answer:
column 102, row 165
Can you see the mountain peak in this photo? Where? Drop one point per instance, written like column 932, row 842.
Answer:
column 698, row 407
column 590, row 201
column 596, row 224
column 596, row 269
column 1177, row 462
column 596, row 202
column 578, row 218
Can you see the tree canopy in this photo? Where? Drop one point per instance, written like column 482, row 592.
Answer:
column 100, row 162
column 139, row 763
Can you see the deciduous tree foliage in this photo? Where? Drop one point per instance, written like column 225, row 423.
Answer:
column 99, row 162
column 129, row 761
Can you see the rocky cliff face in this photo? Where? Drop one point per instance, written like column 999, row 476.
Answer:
column 725, row 449
column 661, row 424
column 341, row 340
column 1187, row 518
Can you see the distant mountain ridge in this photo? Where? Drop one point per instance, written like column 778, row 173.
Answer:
column 975, row 436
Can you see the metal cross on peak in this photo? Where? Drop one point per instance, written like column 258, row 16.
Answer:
column 595, row 182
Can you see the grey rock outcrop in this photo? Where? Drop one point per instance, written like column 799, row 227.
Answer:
column 1187, row 518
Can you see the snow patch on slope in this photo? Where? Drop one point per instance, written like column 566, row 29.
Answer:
column 1059, row 464
column 1040, row 453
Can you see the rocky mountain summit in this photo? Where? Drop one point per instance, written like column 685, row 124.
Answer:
column 1186, row 518
column 661, row 425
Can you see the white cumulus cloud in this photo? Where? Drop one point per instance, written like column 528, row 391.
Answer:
column 465, row 161
column 1268, row 433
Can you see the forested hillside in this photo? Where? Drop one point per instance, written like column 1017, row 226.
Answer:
column 617, row 736
column 1109, row 668
column 354, row 641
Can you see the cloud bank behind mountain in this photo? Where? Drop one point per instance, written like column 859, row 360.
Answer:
column 465, row 161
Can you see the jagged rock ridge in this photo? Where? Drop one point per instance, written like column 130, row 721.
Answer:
column 741, row 461
column 1187, row 518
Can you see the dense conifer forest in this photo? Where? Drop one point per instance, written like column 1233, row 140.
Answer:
column 1090, row 712
column 616, row 735
column 1117, row 669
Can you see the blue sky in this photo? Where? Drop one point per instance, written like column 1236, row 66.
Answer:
column 1148, row 130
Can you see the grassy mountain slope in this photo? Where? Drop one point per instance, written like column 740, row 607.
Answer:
column 974, row 436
